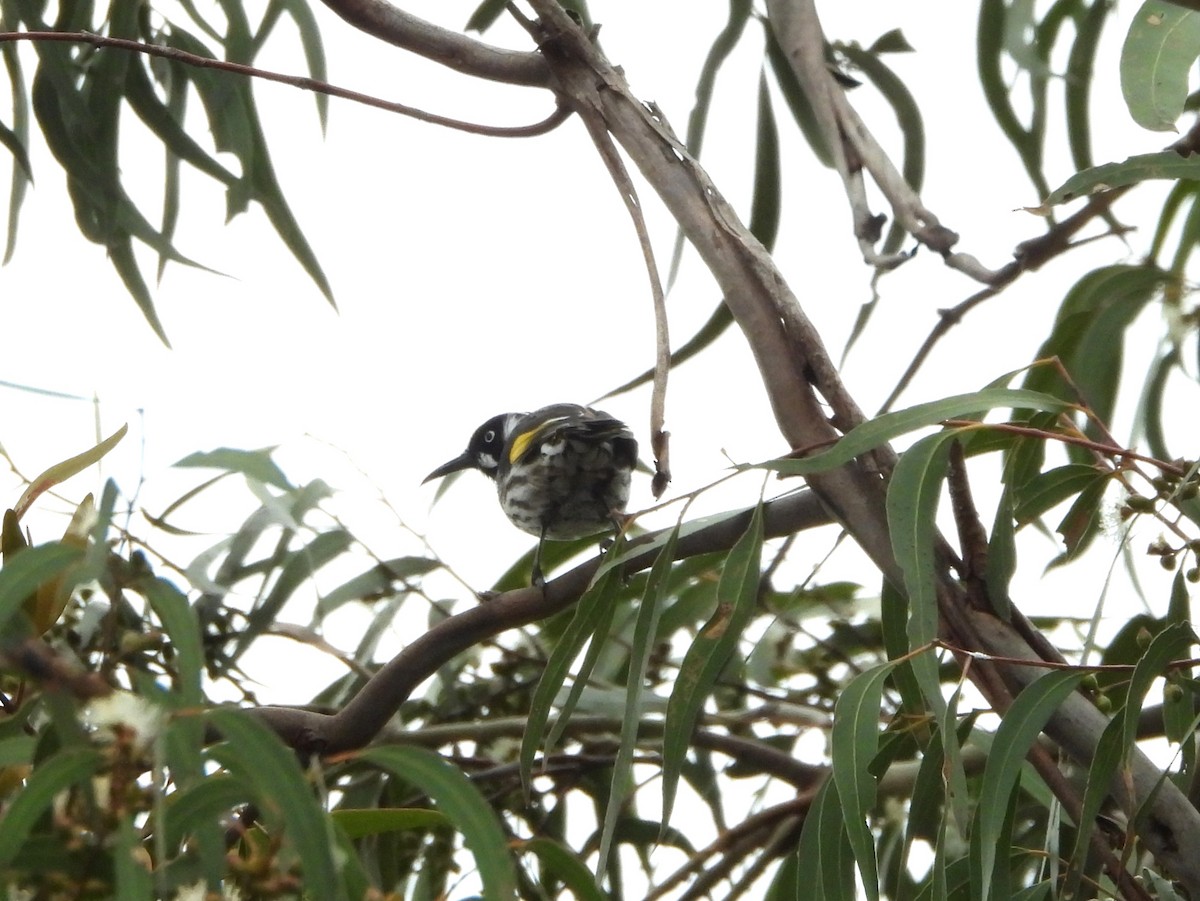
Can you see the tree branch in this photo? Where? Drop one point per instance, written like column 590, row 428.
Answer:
column 356, row 724
column 450, row 48
column 304, row 83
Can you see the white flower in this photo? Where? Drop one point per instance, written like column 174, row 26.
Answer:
column 198, row 891
column 122, row 708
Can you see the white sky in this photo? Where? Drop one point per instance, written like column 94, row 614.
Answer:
column 475, row 275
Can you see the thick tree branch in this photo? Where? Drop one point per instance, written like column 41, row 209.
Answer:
column 369, row 711
column 450, row 48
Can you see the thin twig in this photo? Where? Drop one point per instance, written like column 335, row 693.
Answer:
column 1029, row 256
column 304, row 83
column 598, row 130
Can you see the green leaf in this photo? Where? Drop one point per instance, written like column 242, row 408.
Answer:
column 485, row 15
column 299, row 568
column 825, row 860
column 1120, row 735
column 120, row 254
column 17, row 751
column 645, row 638
column 854, row 743
column 15, row 146
column 1002, row 556
column 797, row 99
column 766, row 200
column 25, row 571
column 190, row 810
column 257, row 464
column 375, row 582
column 737, row 593
column 893, row 620
column 927, row 808
column 1081, row 522
column 466, row 808
column 605, row 600
column 133, row 879
column 179, row 620
column 1018, row 730
column 559, row 862
column 912, row 502
column 314, row 49
column 1089, row 337
column 62, row 471
column 713, row 328
column 51, row 776
column 1077, row 85
column 361, row 823
column 1165, row 164
column 892, row 41
column 1048, row 489
column 1156, row 60
column 592, row 612
column 882, row 429
column 990, row 49
column 168, row 128
column 17, row 142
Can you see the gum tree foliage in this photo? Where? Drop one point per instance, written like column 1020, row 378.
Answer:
column 968, row 747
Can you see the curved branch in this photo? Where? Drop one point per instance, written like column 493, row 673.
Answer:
column 453, row 50
column 311, row 732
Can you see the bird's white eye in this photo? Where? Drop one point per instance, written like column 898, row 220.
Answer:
column 489, row 436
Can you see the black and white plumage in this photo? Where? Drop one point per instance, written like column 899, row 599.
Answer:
column 561, row 472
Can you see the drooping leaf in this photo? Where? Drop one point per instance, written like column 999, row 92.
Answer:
column 1017, row 731
column 561, row 863
column 854, row 743
column 63, row 470
column 592, row 612
column 1089, row 336
column 645, row 638
column 1002, row 556
column 990, row 49
column 912, row 502
column 737, row 592
column 824, row 858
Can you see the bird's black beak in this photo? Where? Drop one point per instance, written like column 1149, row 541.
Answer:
column 459, row 463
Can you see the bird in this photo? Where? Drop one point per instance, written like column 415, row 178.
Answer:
column 562, row 472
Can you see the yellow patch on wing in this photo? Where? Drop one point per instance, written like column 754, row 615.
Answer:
column 520, row 444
